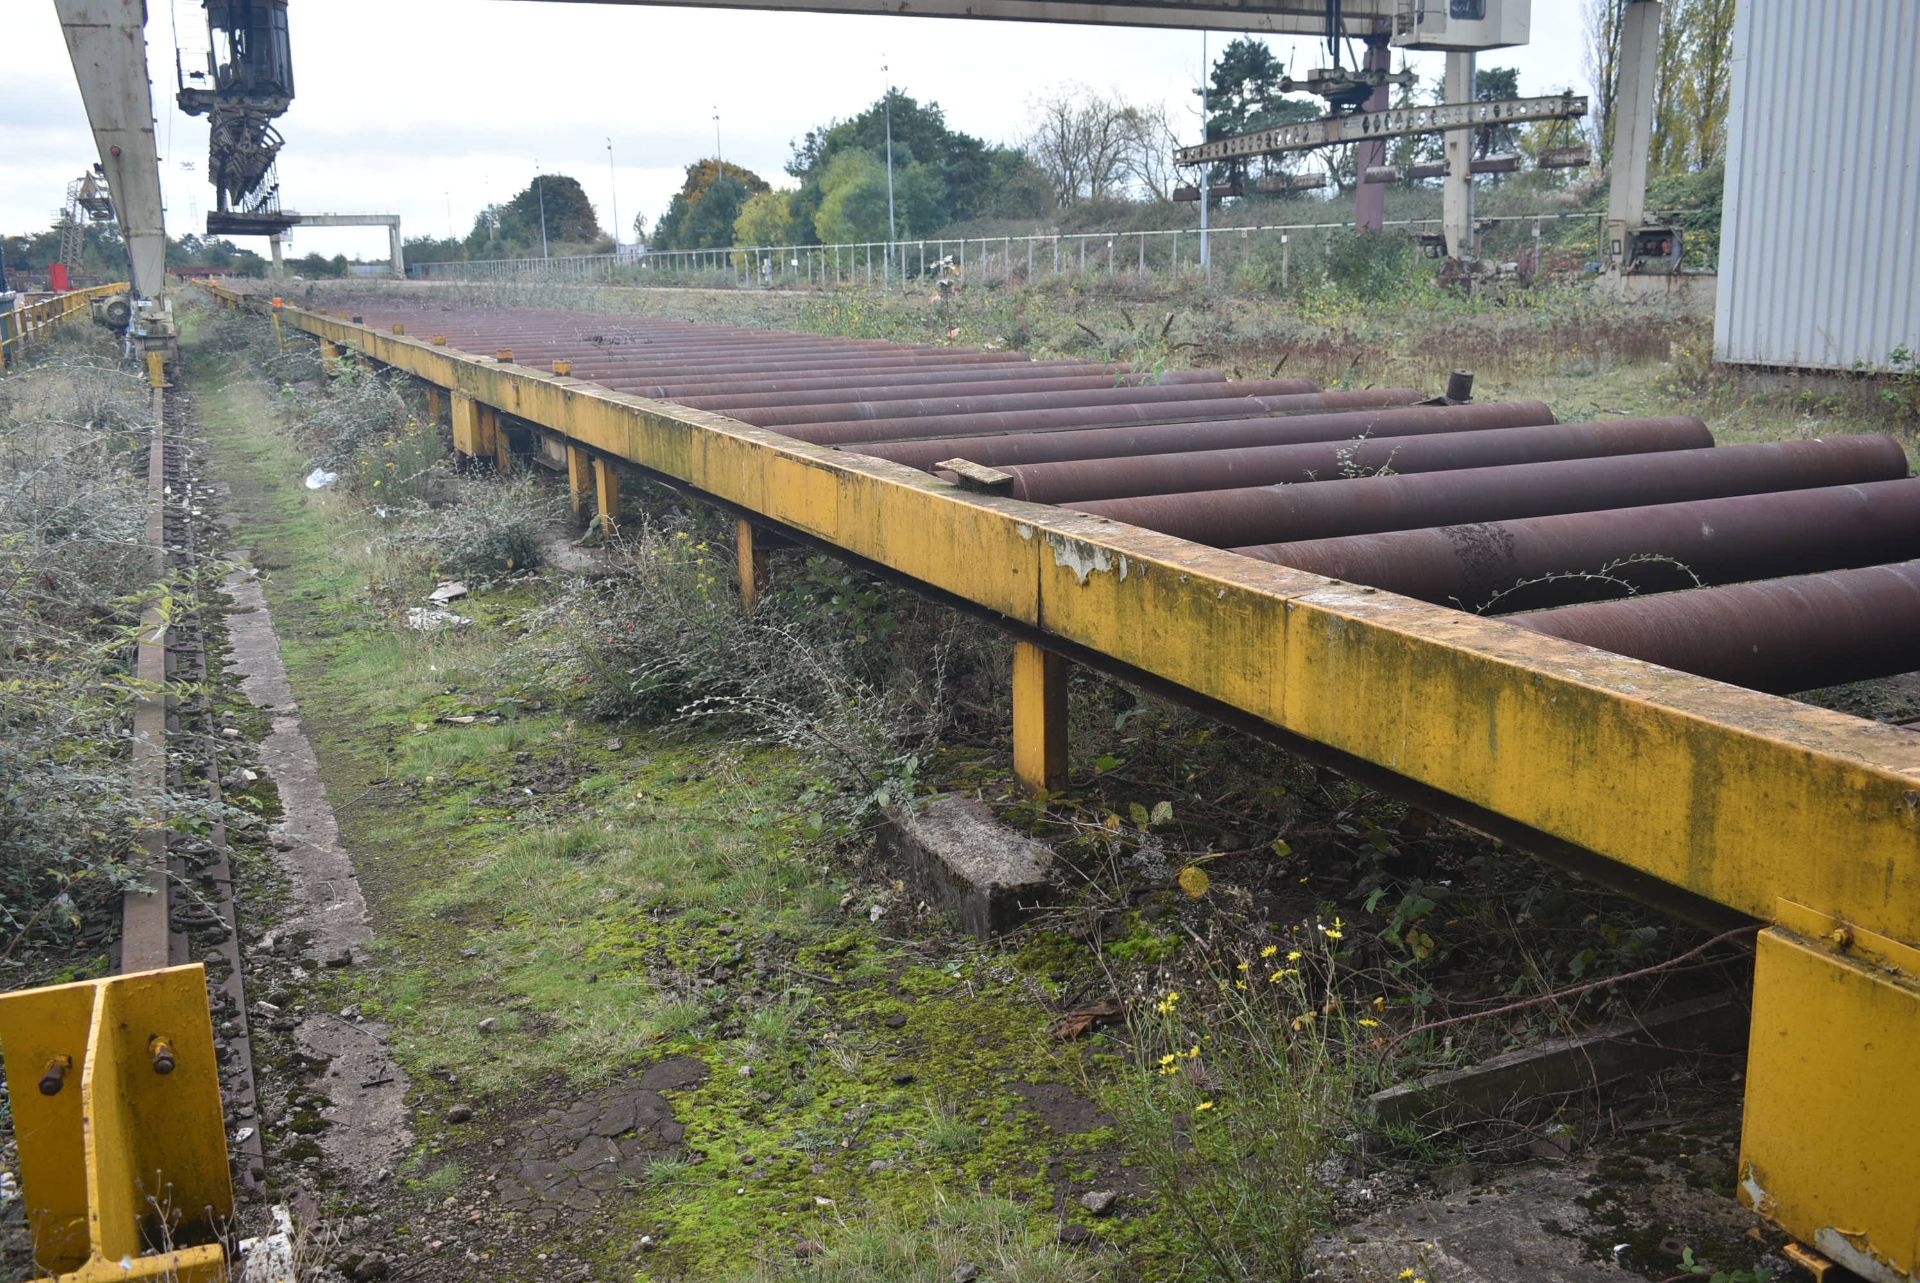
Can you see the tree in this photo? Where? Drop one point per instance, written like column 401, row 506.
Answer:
column 1081, row 140
column 1706, row 29
column 853, row 201
column 1148, row 160
column 430, row 249
column 512, row 230
column 1243, row 96
column 639, row 229
column 1495, row 84
column 766, row 219
column 704, row 210
column 1601, row 19
column 1669, row 149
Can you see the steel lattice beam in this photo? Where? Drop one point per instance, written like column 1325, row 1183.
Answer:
column 1393, row 123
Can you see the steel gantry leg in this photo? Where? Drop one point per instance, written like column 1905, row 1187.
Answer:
column 1039, row 718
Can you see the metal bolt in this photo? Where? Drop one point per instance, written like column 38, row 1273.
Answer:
column 161, row 1049
column 56, row 1076
column 1841, row 938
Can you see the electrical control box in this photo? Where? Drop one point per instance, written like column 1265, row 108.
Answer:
column 1461, row 25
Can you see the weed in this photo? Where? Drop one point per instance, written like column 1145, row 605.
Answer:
column 1232, row 1110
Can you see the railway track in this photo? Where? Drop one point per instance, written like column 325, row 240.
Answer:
column 188, row 913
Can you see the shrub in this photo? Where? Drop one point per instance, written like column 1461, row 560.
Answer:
column 829, row 665
column 493, row 528
column 74, row 568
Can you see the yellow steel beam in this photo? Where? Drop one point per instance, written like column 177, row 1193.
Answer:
column 115, row 1093
column 1734, row 795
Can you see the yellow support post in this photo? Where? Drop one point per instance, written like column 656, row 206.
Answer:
column 606, row 485
column 329, row 356
column 466, row 426
column 157, row 370
column 1039, row 718
column 579, row 480
column 753, row 563
column 279, row 335
column 433, row 404
column 493, row 439
column 1830, row 1142
column 116, row 1109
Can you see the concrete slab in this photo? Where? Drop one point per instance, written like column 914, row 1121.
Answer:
column 961, row 858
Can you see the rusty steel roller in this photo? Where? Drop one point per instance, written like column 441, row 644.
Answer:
column 1248, row 520
column 1778, row 635
column 1322, row 461
column 1215, row 434
column 988, row 423
column 1013, row 376
column 1539, row 562
column 988, row 401
column 880, row 395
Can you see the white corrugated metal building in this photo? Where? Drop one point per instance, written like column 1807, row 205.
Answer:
column 1819, row 256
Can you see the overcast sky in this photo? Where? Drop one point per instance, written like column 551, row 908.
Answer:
column 434, row 108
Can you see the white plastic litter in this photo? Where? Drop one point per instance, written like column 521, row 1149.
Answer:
column 320, row 479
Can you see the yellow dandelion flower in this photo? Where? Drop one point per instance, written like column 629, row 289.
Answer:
column 1240, row 966
column 1239, row 984
column 1406, row 1275
column 1334, row 933
column 1294, row 955
column 1193, row 1053
column 1380, row 1003
column 1276, row 977
column 1367, row 1023
column 1270, row 950
column 1203, row 1107
column 1167, row 1059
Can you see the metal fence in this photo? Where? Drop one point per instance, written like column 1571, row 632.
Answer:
column 1166, row 253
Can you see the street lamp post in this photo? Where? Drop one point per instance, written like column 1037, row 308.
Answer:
column 540, row 189
column 718, row 155
column 613, row 190
column 892, row 230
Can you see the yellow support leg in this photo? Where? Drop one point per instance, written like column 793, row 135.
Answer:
column 579, row 480
column 156, row 370
column 115, row 1092
column 496, row 440
column 1830, row 1144
column 606, row 485
column 1039, row 719
column 433, row 404
column 753, row 563
column 466, row 428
